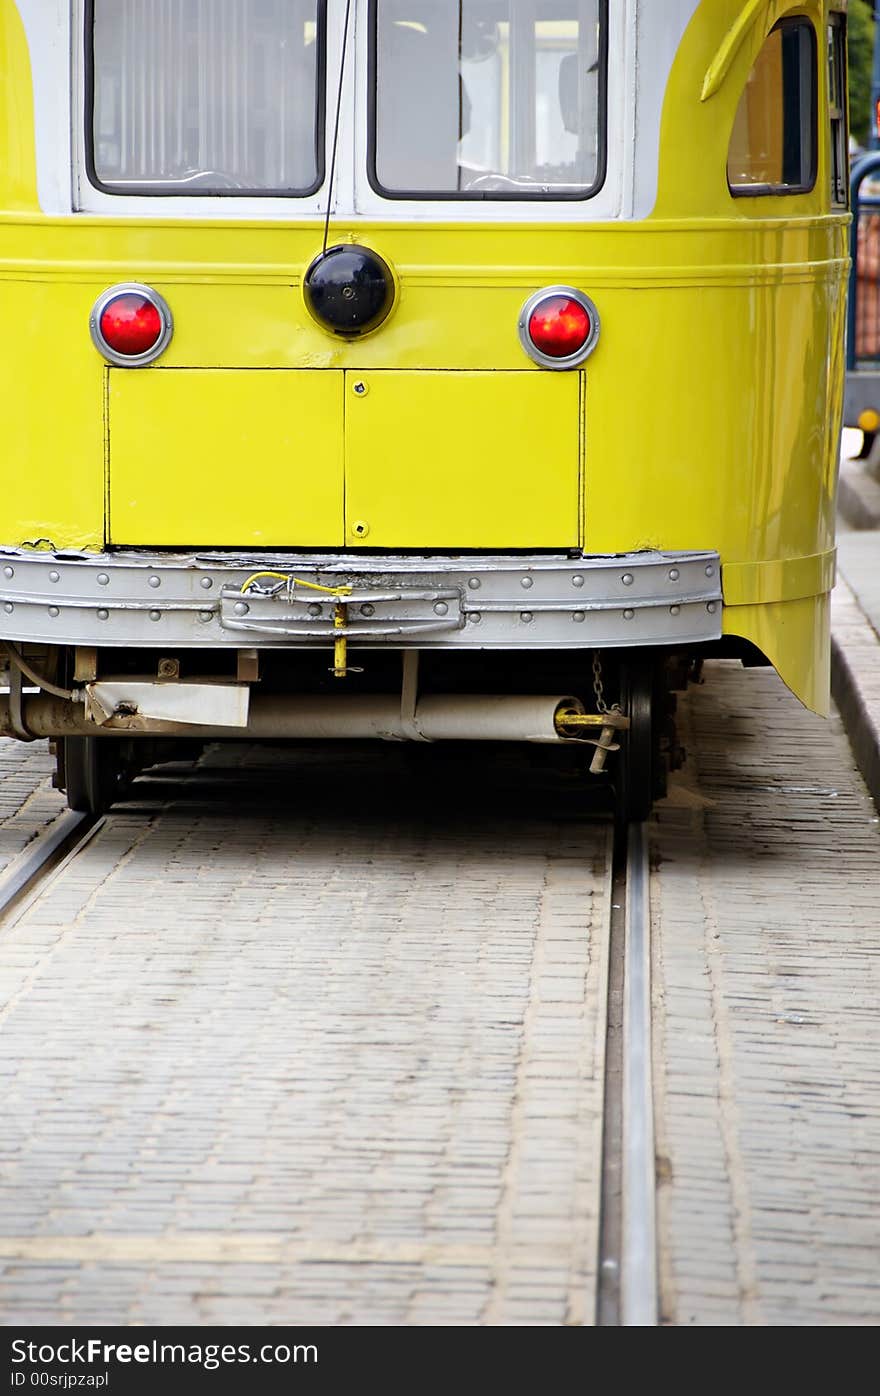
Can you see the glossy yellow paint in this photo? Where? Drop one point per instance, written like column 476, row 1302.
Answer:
column 443, row 470
column 710, row 408
column 220, row 458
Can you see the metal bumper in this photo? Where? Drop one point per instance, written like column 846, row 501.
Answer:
column 226, row 600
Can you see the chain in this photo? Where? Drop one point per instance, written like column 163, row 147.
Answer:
column 598, row 686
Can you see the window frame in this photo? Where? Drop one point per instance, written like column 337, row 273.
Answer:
column 781, row 191
column 152, row 191
column 838, row 117
column 482, row 196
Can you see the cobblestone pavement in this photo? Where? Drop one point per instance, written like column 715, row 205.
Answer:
column 27, row 801
column 288, row 1049
column 766, row 901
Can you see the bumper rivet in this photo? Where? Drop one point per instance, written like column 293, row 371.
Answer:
column 711, row 608
column 474, row 583
column 155, row 581
column 103, row 615
column 579, row 616
column 710, row 571
column 475, row 617
column 674, row 574
column 628, row 615
column 627, row 579
column 526, row 617
column 8, row 607
column 241, row 608
column 527, row 582
column 54, row 611
column 577, row 580
column 314, row 610
column 9, row 571
column 441, row 608
column 54, row 576
column 368, row 610
column 155, row 615
column 102, row 579
column 205, row 616
column 207, row 583
column 675, row 610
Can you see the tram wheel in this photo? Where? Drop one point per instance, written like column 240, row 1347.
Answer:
column 93, row 772
column 640, row 775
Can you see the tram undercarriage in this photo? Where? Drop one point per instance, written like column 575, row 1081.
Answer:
column 422, row 649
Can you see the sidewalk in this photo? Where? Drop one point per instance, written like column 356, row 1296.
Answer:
column 855, row 618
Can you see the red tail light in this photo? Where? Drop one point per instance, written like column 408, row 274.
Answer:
column 131, row 325
column 559, row 327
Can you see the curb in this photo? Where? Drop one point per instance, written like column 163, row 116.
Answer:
column 858, row 496
column 855, row 682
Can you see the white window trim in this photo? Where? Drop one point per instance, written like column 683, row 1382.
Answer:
column 58, row 67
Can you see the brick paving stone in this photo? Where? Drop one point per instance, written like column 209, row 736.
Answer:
column 364, row 1048
column 766, row 928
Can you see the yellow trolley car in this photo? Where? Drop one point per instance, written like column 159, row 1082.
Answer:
column 415, row 369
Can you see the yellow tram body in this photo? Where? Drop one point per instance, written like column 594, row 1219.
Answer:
column 706, row 418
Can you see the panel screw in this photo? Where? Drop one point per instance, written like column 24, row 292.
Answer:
column 360, row 388
column 314, row 610
column 169, row 669
column 155, row 581
column 368, row 610
column 361, row 528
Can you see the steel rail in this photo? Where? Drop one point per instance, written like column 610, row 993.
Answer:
column 638, row 1280
column 50, row 850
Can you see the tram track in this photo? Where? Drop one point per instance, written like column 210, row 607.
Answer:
column 619, row 1293
column 26, row 876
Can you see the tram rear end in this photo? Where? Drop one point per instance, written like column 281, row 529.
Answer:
column 369, row 359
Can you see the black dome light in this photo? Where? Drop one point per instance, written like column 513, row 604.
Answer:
column 349, row 289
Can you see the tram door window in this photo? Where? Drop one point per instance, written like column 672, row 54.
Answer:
column 837, row 110
column 192, row 97
column 773, row 143
column 487, row 98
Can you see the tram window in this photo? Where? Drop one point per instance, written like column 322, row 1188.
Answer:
column 837, row 109
column 773, row 144
column 194, row 98
column 487, row 99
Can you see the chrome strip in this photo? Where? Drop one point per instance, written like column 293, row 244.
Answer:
column 210, row 600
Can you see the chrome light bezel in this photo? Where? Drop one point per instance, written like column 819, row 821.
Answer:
column 128, row 288
column 528, row 344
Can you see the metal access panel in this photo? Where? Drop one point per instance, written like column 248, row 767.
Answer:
column 463, row 459
column 225, row 457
